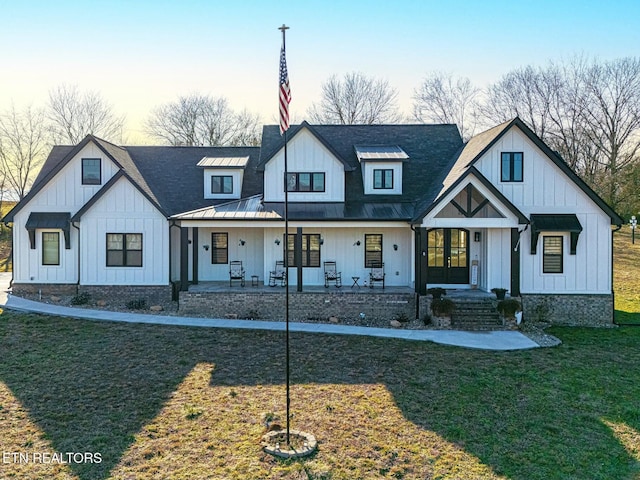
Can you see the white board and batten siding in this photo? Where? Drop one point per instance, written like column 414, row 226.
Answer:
column 63, row 193
column 305, row 154
column 340, row 245
column 124, row 209
column 546, row 189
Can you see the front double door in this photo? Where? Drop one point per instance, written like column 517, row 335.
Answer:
column 447, row 256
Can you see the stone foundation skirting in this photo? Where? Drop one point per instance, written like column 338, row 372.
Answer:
column 569, row 309
column 44, row 289
column 119, row 295
column 115, row 295
column 303, row 306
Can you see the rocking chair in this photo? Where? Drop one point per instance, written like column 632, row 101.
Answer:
column 236, row 272
column 376, row 274
column 279, row 274
column 331, row 274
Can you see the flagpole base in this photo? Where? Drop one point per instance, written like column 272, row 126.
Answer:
column 301, row 444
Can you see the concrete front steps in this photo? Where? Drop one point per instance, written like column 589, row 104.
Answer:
column 476, row 314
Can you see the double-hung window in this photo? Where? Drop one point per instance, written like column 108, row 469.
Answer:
column 372, row 250
column 221, row 184
column 50, row 248
column 124, row 249
column 310, row 249
column 219, row 248
column 305, row 182
column 383, row 179
column 511, row 166
column 552, row 254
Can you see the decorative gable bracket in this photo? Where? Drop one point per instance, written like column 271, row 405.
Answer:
column 567, row 222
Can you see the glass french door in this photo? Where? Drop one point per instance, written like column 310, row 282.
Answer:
column 447, row 256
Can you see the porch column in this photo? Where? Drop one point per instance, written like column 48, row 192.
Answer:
column 515, row 263
column 195, row 250
column 184, row 259
column 297, row 249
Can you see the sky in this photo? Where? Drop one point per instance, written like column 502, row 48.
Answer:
column 140, row 54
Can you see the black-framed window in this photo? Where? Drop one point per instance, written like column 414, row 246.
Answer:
column 221, row 184
column 511, row 166
column 383, row 179
column 50, row 248
column 124, row 249
column 552, row 254
column 305, row 182
column 91, row 171
column 372, row 249
column 219, row 248
column 310, row 249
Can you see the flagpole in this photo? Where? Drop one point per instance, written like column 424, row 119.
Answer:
column 283, row 29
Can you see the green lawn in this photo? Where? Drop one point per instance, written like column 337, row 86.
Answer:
column 626, row 279
column 188, row 403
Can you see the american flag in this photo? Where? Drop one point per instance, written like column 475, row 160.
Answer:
column 285, row 93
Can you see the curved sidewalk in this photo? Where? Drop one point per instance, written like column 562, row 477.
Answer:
column 492, row 340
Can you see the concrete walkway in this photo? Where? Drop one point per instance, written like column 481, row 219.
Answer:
column 492, row 340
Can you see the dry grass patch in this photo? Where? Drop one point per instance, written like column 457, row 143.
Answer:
column 626, row 276
column 183, row 403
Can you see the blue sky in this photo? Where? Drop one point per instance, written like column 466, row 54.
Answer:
column 140, row 54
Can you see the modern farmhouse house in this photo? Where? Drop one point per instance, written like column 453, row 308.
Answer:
column 410, row 201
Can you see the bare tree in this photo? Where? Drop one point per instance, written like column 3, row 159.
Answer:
column 588, row 111
column 612, row 118
column 356, row 99
column 23, row 145
column 441, row 99
column 202, row 120
column 74, row 114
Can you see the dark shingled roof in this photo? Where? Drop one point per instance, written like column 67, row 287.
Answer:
column 170, row 178
column 429, row 147
column 175, row 179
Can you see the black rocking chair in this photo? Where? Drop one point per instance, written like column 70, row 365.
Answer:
column 279, row 274
column 236, row 272
column 331, row 274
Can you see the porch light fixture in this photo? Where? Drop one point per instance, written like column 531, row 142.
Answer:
column 395, row 246
column 357, row 243
column 476, row 236
column 277, row 241
column 241, row 242
column 321, row 241
column 206, row 247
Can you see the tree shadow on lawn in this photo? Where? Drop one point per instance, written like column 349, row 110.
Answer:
column 92, row 387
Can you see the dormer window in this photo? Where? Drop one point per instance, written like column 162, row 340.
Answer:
column 305, row 182
column 223, row 176
column 383, row 178
column 222, row 184
column 381, row 168
column 91, row 171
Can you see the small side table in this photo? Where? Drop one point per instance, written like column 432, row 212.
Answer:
column 254, row 280
column 355, row 282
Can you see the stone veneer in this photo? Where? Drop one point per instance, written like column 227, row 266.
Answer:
column 303, row 306
column 569, row 309
column 114, row 294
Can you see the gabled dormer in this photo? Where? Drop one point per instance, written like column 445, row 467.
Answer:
column 381, row 167
column 223, row 176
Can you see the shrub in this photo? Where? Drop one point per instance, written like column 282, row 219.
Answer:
column 436, row 292
column 137, row 304
column 508, row 308
column 80, row 299
column 442, row 307
column 401, row 317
